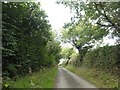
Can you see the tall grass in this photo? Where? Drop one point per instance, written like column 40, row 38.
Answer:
column 99, row 78
column 41, row 79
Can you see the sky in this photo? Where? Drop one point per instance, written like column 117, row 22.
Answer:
column 58, row 15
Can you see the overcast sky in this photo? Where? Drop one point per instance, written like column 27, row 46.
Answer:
column 58, row 15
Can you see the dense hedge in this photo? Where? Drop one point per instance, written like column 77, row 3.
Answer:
column 105, row 58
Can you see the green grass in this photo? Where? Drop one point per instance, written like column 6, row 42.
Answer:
column 41, row 79
column 99, row 78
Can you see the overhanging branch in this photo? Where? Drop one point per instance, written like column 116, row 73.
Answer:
column 105, row 16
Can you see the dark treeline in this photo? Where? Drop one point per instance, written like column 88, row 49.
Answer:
column 27, row 40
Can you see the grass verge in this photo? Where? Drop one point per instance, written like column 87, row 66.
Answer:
column 41, row 79
column 99, row 78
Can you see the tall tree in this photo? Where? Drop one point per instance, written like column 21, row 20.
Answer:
column 105, row 14
column 82, row 34
column 26, row 33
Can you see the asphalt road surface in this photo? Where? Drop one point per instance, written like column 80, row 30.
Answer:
column 67, row 79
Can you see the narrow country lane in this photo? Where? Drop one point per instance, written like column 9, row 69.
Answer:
column 67, row 79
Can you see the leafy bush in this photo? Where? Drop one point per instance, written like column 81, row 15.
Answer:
column 105, row 58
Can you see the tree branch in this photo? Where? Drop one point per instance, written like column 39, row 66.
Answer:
column 103, row 25
column 108, row 19
column 104, row 15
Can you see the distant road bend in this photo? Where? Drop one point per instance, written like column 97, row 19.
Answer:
column 67, row 79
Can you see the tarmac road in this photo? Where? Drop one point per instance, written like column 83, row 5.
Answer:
column 67, row 79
